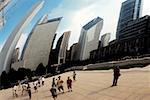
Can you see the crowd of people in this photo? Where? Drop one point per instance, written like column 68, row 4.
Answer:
column 25, row 88
column 57, row 85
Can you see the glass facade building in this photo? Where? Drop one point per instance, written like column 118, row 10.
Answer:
column 130, row 10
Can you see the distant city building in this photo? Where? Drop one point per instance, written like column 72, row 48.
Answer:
column 89, row 38
column 39, row 44
column 130, row 10
column 58, row 55
column 136, row 28
column 15, row 55
column 68, row 56
column 10, row 44
column 134, row 43
column 74, row 52
column 63, row 48
column 105, row 39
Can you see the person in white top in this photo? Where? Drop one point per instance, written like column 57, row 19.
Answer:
column 15, row 91
column 35, row 86
column 43, row 79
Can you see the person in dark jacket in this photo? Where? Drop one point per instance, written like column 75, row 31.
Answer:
column 69, row 84
column 29, row 90
column 74, row 75
column 53, row 91
column 116, row 75
column 53, row 82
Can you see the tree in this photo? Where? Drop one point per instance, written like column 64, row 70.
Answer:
column 29, row 73
column 21, row 73
column 5, row 83
column 40, row 70
column 12, row 75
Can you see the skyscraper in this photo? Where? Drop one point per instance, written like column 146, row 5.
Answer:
column 63, row 47
column 130, row 10
column 89, row 38
column 11, row 42
column 58, row 55
column 105, row 39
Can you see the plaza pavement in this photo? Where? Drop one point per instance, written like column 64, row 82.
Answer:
column 134, row 84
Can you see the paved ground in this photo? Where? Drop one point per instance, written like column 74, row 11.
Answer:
column 134, row 84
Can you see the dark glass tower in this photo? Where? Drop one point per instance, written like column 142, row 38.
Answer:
column 130, row 10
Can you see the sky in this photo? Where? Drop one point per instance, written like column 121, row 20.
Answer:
column 75, row 13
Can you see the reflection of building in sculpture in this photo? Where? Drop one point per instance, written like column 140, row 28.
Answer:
column 58, row 55
column 130, row 10
column 38, row 45
column 15, row 55
column 105, row 40
column 89, row 38
column 11, row 42
column 3, row 5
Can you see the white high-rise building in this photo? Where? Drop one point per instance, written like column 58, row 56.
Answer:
column 89, row 38
column 63, row 47
column 38, row 45
column 105, row 39
column 10, row 44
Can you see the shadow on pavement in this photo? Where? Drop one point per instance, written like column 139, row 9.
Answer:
column 95, row 92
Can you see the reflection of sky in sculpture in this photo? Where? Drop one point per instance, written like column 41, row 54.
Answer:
column 15, row 12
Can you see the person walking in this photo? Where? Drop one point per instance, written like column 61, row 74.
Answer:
column 15, row 91
column 117, row 74
column 39, row 82
column 74, row 75
column 29, row 90
column 43, row 79
column 53, row 82
column 53, row 91
column 35, row 86
column 69, row 84
column 24, row 88
column 60, row 84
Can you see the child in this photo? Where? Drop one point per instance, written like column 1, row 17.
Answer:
column 74, row 75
